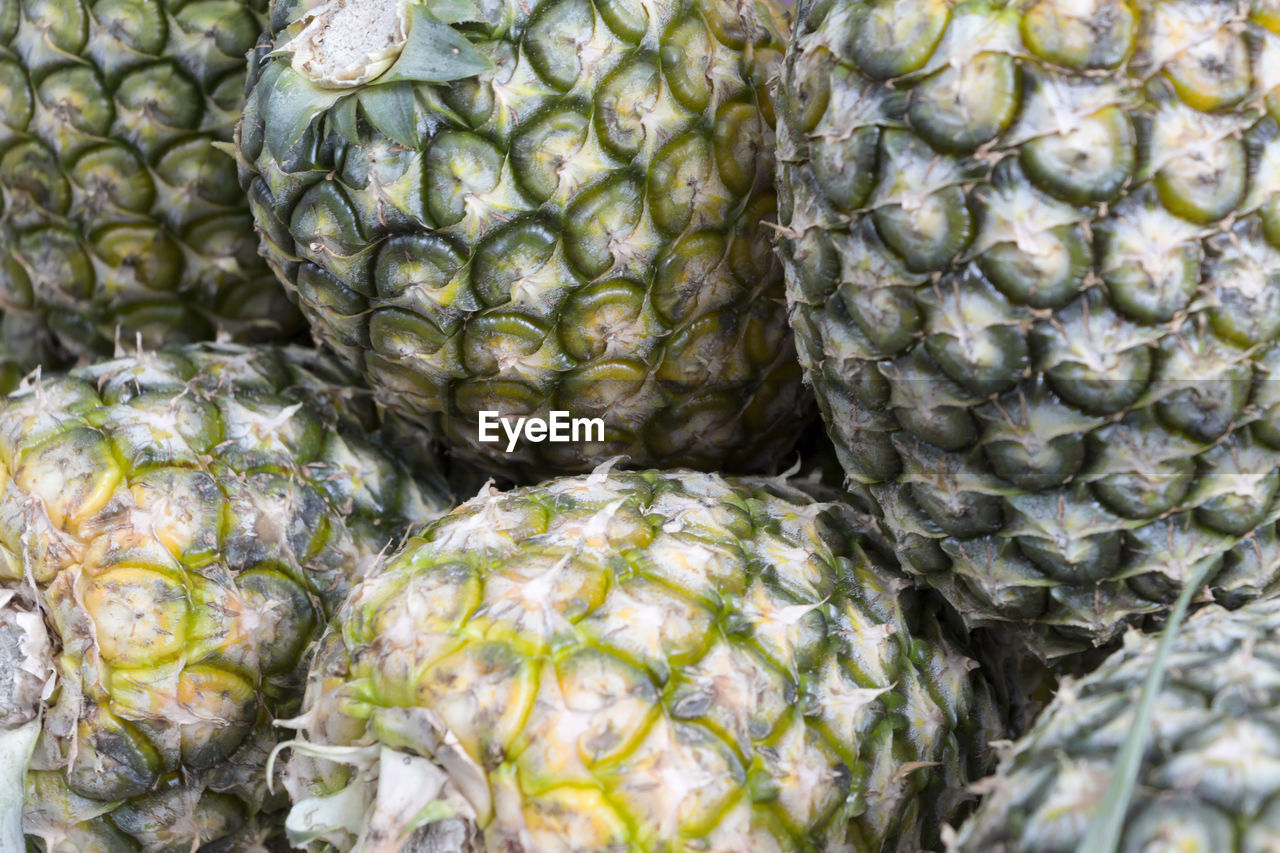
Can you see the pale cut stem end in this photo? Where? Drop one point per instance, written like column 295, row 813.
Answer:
column 349, row 42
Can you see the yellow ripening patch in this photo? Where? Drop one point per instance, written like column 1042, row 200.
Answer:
column 698, row 567
column 590, row 708
column 482, row 693
column 214, row 696
column 806, row 772
column 139, row 615
column 73, row 476
column 678, row 778
column 177, row 513
column 646, row 620
column 536, row 602
column 570, row 819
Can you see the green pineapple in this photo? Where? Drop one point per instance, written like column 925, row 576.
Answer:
column 1207, row 783
column 1033, row 263
column 523, row 208
column 185, row 522
column 654, row 661
column 118, row 217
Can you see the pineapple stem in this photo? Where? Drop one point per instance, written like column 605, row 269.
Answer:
column 1106, row 829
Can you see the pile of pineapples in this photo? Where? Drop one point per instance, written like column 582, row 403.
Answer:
column 267, row 270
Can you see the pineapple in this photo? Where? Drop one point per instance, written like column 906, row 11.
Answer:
column 656, row 661
column 118, row 217
column 522, row 208
column 175, row 528
column 1208, row 780
column 1033, row 263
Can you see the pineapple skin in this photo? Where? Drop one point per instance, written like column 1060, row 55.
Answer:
column 583, row 226
column 183, row 523
column 1207, row 781
column 650, row 661
column 1033, row 265
column 119, row 218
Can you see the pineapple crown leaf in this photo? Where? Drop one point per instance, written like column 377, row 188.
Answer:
column 434, row 52
column 329, row 817
column 390, row 109
column 332, row 816
column 381, row 76
column 454, row 11
column 22, row 699
column 342, row 118
column 346, row 44
column 292, row 101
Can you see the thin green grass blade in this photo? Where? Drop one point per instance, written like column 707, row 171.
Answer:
column 1105, row 831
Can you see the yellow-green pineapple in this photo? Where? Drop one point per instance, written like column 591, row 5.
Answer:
column 531, row 207
column 652, row 661
column 175, row 530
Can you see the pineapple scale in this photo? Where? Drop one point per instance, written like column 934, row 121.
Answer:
column 185, row 520
column 1030, row 252
column 661, row 660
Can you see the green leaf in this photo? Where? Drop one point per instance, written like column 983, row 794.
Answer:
column 455, row 11
column 287, row 13
column 1108, row 825
column 342, row 117
column 292, row 102
column 391, row 110
column 434, row 53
